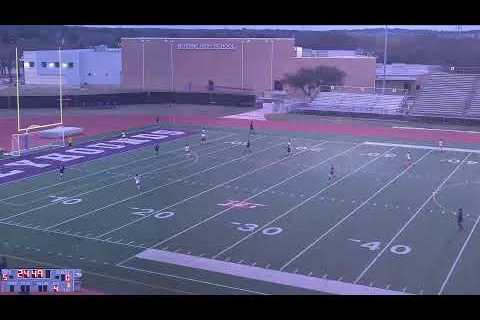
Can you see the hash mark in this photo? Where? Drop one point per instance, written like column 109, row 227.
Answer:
column 355, row 240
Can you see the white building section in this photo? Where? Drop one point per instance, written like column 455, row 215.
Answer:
column 96, row 66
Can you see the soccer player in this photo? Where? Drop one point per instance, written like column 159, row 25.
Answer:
column 157, row 148
column 70, row 141
column 440, row 145
column 187, row 150
column 137, row 181
column 158, row 120
column 248, row 146
column 331, row 175
column 204, row 136
column 61, row 171
column 460, row 218
column 409, row 159
column 124, row 134
column 289, row 147
column 252, row 131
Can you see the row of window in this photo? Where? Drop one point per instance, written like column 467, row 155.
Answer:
column 31, row 64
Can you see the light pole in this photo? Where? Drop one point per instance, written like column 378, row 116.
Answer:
column 385, row 58
column 143, row 65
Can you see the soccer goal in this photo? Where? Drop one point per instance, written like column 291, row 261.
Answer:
column 34, row 140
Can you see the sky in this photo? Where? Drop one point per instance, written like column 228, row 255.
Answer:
column 298, row 27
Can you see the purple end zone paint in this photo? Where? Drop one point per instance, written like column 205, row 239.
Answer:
column 53, row 159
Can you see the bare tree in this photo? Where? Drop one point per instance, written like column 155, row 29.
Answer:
column 310, row 80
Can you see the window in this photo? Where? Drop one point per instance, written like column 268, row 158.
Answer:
column 30, row 64
column 40, row 288
column 44, row 64
column 51, row 64
column 57, row 64
column 45, row 287
column 70, row 65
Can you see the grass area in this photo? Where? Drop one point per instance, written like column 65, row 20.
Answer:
column 379, row 224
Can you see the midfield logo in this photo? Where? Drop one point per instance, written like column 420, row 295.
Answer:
column 240, row 204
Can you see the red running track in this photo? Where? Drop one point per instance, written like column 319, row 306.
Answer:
column 94, row 125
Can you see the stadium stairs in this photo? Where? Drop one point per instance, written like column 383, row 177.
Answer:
column 358, row 103
column 447, row 96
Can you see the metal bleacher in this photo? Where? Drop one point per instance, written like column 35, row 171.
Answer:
column 447, row 95
column 358, row 103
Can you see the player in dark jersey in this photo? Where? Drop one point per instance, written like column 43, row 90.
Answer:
column 157, row 148
column 331, row 175
column 61, row 171
column 158, row 120
column 248, row 146
column 460, row 218
column 289, row 147
column 252, row 131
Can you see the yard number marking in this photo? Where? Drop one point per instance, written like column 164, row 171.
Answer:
column 158, row 214
column 236, row 143
column 249, row 227
column 308, row 149
column 65, row 200
column 399, row 249
column 376, row 154
column 458, row 161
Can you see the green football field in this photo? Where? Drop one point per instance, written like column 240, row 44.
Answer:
column 226, row 221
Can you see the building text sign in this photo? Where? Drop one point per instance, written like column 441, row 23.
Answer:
column 206, row 46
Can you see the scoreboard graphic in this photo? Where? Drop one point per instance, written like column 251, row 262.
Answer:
column 40, row 281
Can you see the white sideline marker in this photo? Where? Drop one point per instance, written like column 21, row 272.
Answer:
column 272, row 276
column 414, row 146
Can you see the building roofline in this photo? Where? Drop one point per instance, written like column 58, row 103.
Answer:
column 336, row 57
column 171, row 38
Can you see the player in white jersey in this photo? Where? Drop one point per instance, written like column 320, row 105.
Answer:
column 124, row 134
column 137, row 182
column 440, row 145
column 289, row 147
column 187, row 150
column 409, row 159
column 204, row 136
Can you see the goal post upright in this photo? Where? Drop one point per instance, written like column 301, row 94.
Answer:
column 60, row 82
column 18, row 89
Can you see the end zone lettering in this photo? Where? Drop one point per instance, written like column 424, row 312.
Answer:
column 34, row 164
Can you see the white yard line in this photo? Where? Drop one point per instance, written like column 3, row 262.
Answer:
column 101, row 171
column 192, row 280
column 299, row 204
column 323, row 235
column 458, row 257
column 410, row 220
column 255, row 195
column 118, row 182
column 415, row 146
column 74, row 236
column 435, row 129
column 199, row 194
column 159, row 187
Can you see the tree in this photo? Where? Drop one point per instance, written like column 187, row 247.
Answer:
column 310, row 80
